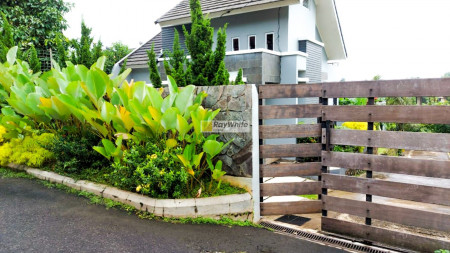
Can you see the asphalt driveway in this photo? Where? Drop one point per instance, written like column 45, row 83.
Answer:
column 34, row 218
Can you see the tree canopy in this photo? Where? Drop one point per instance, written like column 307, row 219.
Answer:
column 35, row 21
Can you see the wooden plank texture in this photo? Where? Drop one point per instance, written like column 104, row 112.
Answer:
column 289, row 90
column 289, row 131
column 291, row 169
column 390, row 139
column 413, row 192
column 395, row 114
column 290, row 150
column 401, row 215
column 389, row 164
column 385, row 236
column 290, row 111
column 284, row 189
column 295, row 207
column 388, row 88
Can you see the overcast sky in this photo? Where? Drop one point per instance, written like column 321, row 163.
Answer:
column 392, row 38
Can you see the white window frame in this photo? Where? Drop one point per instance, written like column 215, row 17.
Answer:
column 249, row 42
column 232, row 44
column 273, row 41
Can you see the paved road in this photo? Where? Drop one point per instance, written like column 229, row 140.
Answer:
column 34, row 218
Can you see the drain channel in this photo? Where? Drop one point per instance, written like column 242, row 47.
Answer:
column 325, row 239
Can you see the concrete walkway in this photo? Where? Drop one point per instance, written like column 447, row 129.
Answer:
column 34, row 218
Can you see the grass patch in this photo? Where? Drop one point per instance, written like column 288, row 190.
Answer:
column 310, row 196
column 96, row 200
column 7, row 173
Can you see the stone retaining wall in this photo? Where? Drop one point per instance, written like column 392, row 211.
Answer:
column 235, row 104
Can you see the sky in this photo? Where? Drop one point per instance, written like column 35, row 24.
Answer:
column 396, row 39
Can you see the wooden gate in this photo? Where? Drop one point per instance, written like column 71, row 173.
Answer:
column 271, row 166
column 378, row 199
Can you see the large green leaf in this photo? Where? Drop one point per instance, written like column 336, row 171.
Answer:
column 173, row 88
column 212, row 147
column 155, row 97
column 11, row 55
column 169, row 119
column 183, row 126
column 185, row 99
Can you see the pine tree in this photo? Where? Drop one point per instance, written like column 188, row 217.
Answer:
column 61, row 53
column 33, row 59
column 6, row 38
column 82, row 48
column 222, row 76
column 97, row 51
column 177, row 61
column 155, row 78
column 205, row 63
column 239, row 78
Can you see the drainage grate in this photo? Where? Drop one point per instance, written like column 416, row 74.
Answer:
column 325, row 239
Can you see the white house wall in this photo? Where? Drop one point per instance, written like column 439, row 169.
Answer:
column 302, row 24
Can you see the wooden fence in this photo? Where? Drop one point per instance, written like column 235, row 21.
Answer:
column 439, row 195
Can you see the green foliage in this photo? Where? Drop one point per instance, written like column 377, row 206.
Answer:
column 73, row 153
column 87, row 101
column 7, row 173
column 205, row 63
column 160, row 176
column 61, row 50
column 123, row 67
column 114, row 54
column 442, row 251
column 35, row 21
column 86, row 52
column 155, row 78
column 6, row 38
column 353, row 101
column 28, row 151
column 239, row 78
column 33, row 60
column 175, row 67
column 222, row 76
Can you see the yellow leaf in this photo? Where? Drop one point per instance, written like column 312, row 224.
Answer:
column 126, row 119
column 191, row 172
column 171, row 143
column 46, row 102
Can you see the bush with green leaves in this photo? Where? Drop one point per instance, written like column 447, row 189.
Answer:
column 73, row 153
column 117, row 112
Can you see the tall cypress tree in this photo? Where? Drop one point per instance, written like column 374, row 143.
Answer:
column 205, row 63
column 175, row 66
column 155, row 78
column 61, row 53
column 33, row 59
column 6, row 38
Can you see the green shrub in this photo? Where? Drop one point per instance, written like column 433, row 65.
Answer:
column 150, row 170
column 28, row 151
column 74, row 153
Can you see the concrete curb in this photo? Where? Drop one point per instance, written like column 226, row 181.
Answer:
column 236, row 206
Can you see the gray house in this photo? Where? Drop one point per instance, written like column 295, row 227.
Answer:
column 273, row 41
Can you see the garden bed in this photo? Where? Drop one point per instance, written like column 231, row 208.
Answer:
column 235, row 206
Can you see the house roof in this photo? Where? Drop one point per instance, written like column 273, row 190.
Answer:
column 220, row 7
column 139, row 57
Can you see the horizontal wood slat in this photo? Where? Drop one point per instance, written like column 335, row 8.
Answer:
column 284, row 189
column 381, row 235
column 290, row 111
column 388, row 88
column 296, row 207
column 291, row 169
column 390, row 139
column 290, row 131
column 395, row 114
column 401, row 215
column 388, row 164
column 413, row 192
column 290, row 150
column 290, row 90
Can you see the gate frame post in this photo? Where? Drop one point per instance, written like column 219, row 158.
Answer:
column 255, row 156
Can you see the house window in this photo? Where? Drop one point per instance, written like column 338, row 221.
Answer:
column 252, row 42
column 235, row 44
column 269, row 41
